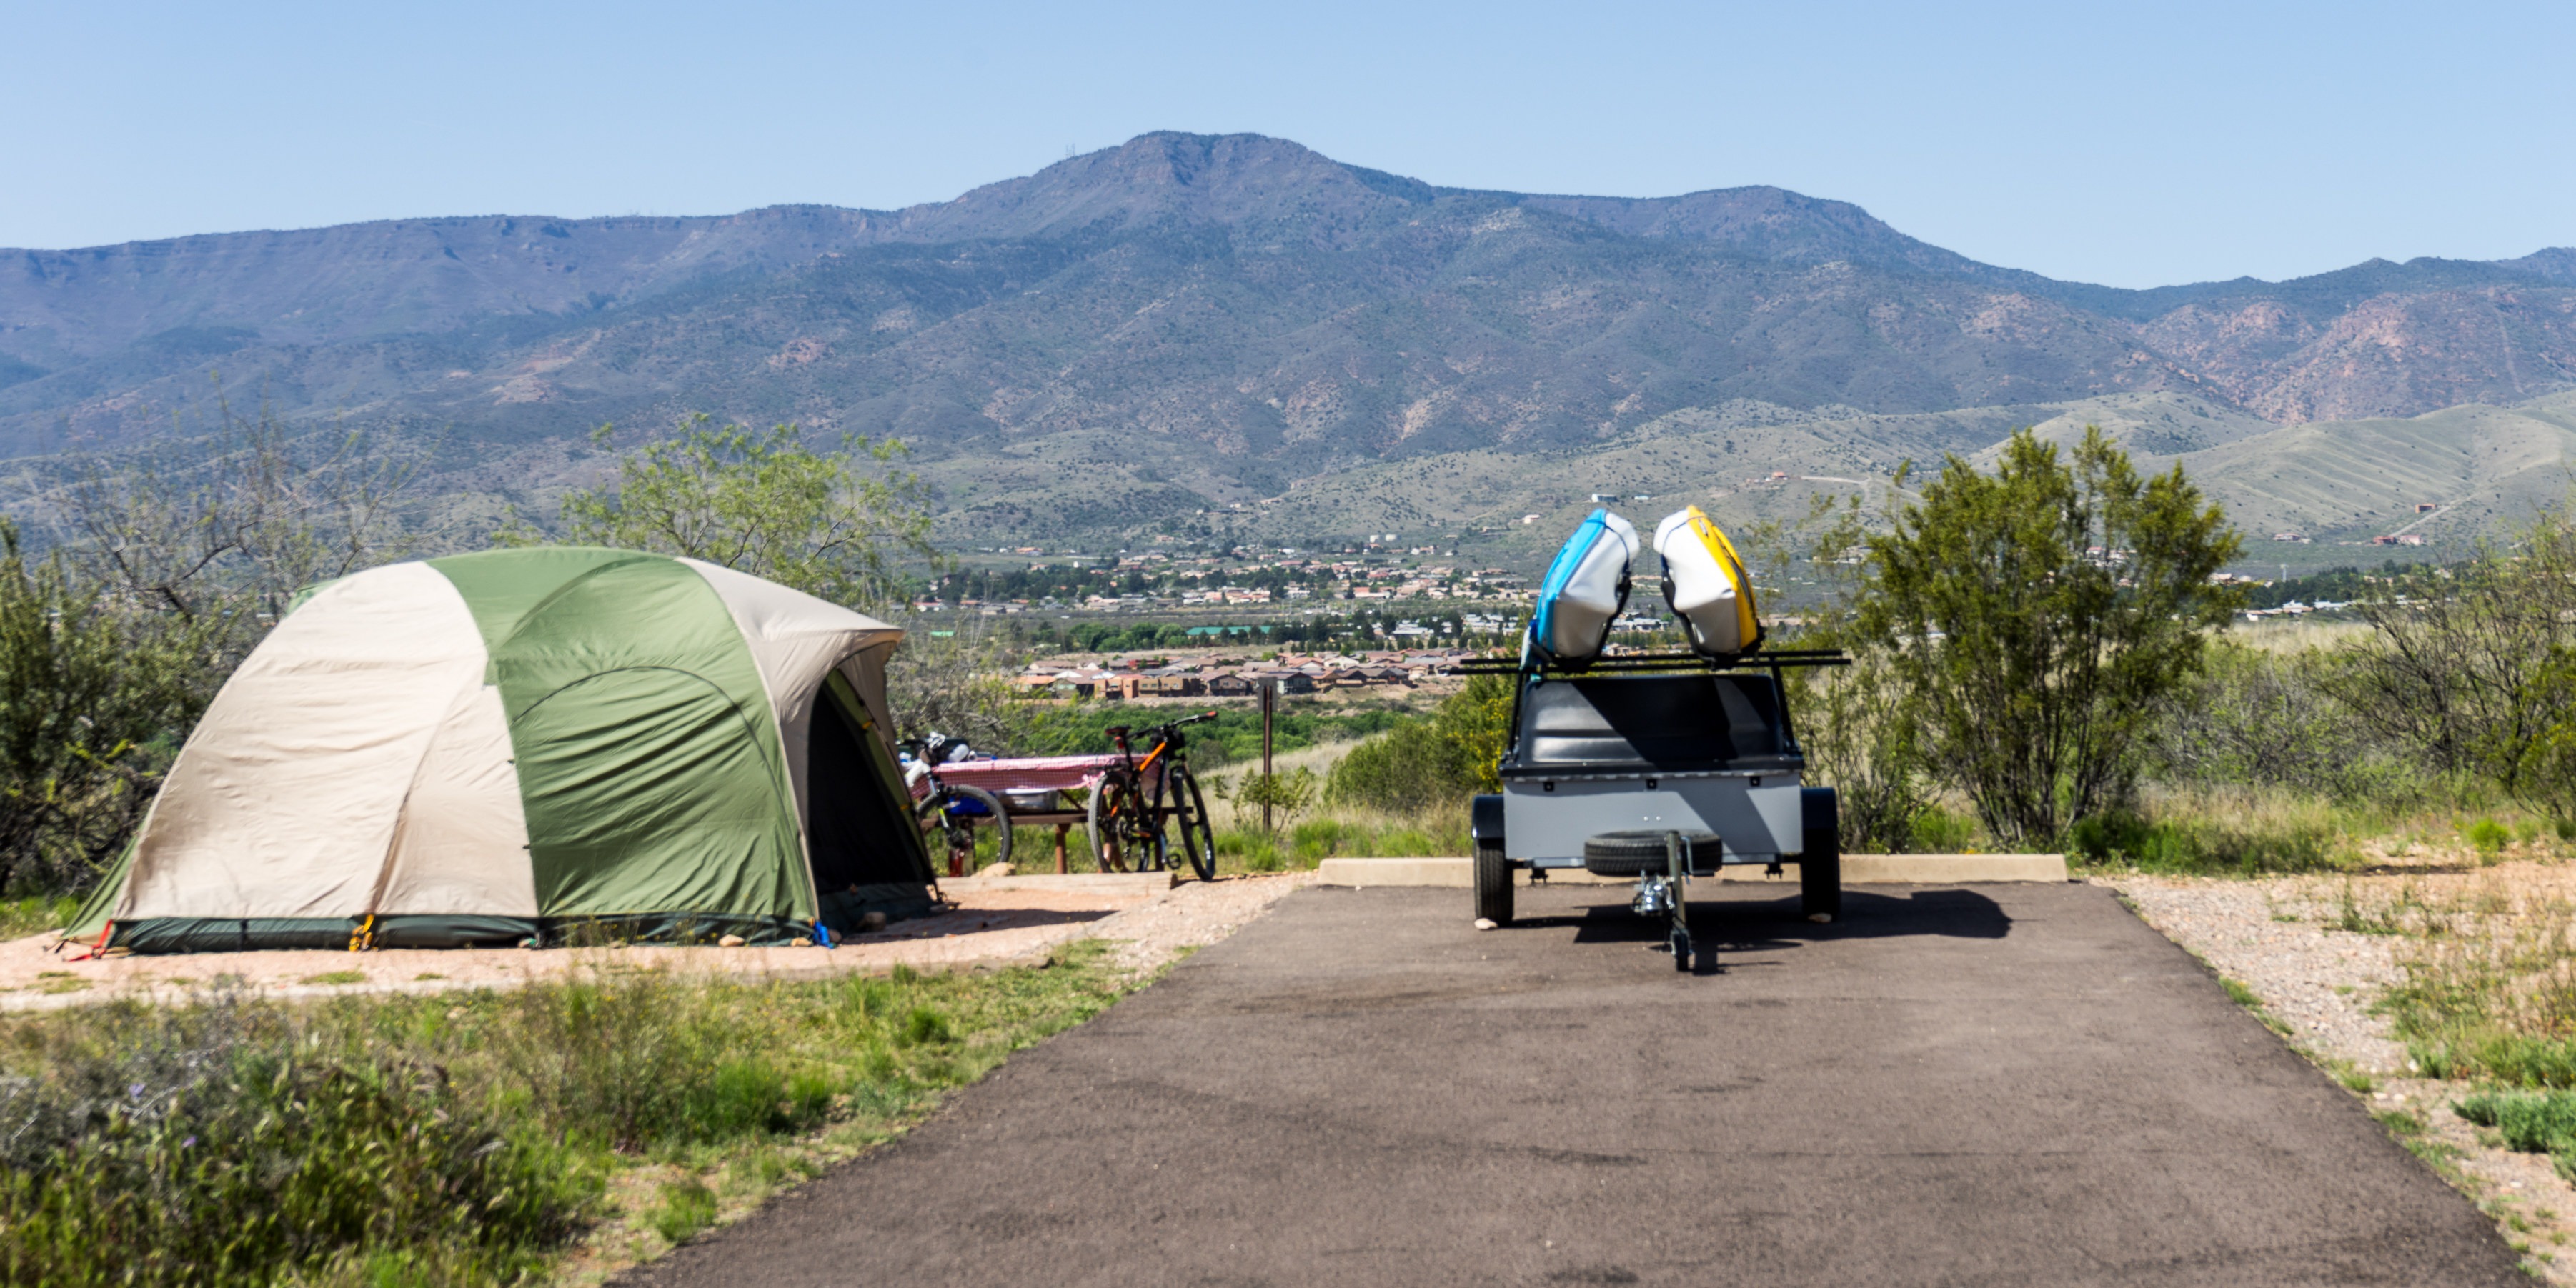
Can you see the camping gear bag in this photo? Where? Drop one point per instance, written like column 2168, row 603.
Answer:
column 1707, row 586
column 1585, row 589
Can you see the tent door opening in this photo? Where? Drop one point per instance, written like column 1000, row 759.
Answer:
column 867, row 855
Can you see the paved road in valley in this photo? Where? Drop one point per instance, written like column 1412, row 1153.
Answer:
column 1990, row 1085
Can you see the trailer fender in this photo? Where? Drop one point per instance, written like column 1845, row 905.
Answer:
column 1485, row 819
column 1819, row 810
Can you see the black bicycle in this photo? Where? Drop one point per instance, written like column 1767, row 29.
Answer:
column 952, row 810
column 1149, row 806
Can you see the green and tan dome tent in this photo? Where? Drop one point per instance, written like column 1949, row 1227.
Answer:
column 507, row 745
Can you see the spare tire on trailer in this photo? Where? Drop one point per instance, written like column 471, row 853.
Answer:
column 1638, row 854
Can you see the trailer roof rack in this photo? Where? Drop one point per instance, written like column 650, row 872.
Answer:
column 1669, row 660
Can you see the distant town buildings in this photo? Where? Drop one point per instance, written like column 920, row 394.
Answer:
column 1221, row 678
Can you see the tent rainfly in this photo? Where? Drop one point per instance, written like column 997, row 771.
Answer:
column 504, row 746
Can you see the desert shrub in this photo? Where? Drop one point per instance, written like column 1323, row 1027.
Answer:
column 460, row 1138
column 94, row 695
column 2473, row 668
column 211, row 1146
column 2277, row 836
column 2269, row 720
column 1861, row 739
column 1278, row 797
column 1417, row 765
column 2489, row 835
column 645, row 1060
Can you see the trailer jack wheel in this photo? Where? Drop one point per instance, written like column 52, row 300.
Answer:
column 1681, row 947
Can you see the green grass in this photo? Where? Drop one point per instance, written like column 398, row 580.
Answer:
column 20, row 918
column 687, row 1207
column 337, row 977
column 2484, row 991
column 2245, row 997
column 472, row 1137
column 1243, row 847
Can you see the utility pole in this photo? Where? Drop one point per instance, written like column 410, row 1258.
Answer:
column 1269, row 705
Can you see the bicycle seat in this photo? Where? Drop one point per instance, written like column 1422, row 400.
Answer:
column 1116, row 731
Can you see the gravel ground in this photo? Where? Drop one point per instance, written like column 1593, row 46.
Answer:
column 993, row 923
column 2265, row 935
column 1194, row 915
column 2278, row 938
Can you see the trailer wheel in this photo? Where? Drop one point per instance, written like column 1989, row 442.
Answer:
column 1493, row 883
column 1680, row 944
column 1820, row 868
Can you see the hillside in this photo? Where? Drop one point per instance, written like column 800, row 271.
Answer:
column 1187, row 323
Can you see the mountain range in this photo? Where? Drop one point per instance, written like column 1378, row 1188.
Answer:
column 1143, row 336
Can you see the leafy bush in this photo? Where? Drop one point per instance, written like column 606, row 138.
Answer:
column 1417, row 765
column 1405, row 768
column 1276, row 796
column 93, row 697
column 2534, row 1123
column 2213, row 843
column 2489, row 835
column 1861, row 739
column 1935, row 830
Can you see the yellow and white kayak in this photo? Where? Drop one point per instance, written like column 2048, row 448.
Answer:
column 1706, row 583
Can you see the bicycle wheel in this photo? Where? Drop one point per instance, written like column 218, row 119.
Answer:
column 953, row 813
column 1191, row 835
column 1107, row 818
column 995, row 815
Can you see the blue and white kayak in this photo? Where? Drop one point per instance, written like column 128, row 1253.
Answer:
column 1585, row 588
column 1706, row 583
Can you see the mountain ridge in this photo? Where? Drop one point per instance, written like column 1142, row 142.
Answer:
column 1228, row 314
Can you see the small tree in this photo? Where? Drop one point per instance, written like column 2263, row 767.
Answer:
column 2474, row 667
column 1286, row 795
column 837, row 525
column 953, row 682
column 232, row 522
column 94, row 697
column 2038, row 615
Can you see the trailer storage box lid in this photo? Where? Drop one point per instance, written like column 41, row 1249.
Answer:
column 1670, row 723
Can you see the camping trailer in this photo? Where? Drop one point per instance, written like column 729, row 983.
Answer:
column 501, row 747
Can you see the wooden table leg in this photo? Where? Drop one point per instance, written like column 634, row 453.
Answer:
column 1060, row 830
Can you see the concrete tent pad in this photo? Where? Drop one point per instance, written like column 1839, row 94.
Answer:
column 2001, row 1084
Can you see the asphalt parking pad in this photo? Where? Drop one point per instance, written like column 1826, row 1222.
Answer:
column 1997, row 1084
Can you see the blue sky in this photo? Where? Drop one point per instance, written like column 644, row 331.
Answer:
column 2131, row 144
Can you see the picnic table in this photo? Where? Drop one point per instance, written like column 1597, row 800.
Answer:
column 1032, row 774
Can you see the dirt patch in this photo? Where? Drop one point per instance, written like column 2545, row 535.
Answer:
column 989, row 924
